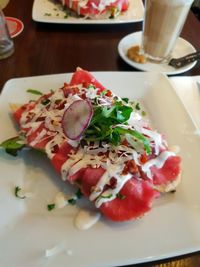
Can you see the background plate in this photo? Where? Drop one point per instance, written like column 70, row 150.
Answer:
column 47, row 11
column 27, row 229
column 182, row 48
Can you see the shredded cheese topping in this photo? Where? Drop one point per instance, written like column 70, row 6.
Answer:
column 46, row 114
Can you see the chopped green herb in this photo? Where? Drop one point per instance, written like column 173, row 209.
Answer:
column 137, row 106
column 125, row 99
column 143, row 113
column 91, row 86
column 114, row 12
column 47, row 14
column 72, row 201
column 17, row 190
column 51, row 206
column 66, row 16
column 108, row 196
column 104, row 92
column 45, row 101
column 79, row 194
column 34, row 92
column 120, row 196
column 13, row 145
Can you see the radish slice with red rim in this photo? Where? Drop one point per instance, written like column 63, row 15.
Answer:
column 76, row 119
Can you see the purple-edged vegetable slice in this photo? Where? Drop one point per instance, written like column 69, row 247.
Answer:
column 77, row 118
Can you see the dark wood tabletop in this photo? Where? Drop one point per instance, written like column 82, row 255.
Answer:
column 55, row 48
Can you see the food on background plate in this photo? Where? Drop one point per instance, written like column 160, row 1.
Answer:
column 133, row 53
column 96, row 9
column 101, row 143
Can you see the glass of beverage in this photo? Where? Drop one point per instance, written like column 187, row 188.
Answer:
column 3, row 3
column 6, row 43
column 163, row 23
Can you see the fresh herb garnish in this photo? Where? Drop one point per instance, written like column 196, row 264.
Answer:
column 108, row 196
column 91, row 86
column 115, row 11
column 47, row 14
column 137, row 135
column 137, row 106
column 120, row 196
column 13, row 145
column 72, row 201
column 103, row 126
column 45, row 101
column 34, row 92
column 17, row 190
column 51, row 206
column 143, row 113
column 79, row 194
column 125, row 99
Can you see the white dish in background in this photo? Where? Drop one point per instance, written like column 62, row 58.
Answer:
column 42, row 7
column 182, row 48
column 27, row 229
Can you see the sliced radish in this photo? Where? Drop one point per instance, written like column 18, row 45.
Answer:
column 76, row 119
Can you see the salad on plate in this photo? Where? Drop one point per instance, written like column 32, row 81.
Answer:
column 99, row 142
column 96, row 9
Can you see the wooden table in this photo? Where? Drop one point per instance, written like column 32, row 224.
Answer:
column 49, row 48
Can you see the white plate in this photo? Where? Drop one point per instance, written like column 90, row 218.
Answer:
column 47, row 11
column 182, row 48
column 188, row 89
column 27, row 228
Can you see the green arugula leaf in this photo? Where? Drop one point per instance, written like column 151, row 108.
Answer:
column 34, row 92
column 137, row 135
column 13, row 145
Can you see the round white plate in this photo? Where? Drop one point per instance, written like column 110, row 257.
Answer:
column 182, row 48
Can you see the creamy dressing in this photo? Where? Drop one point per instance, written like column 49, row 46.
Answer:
column 157, row 162
column 112, row 159
column 112, row 170
column 86, row 219
column 111, row 194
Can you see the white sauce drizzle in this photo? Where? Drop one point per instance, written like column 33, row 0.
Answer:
column 157, row 162
column 113, row 164
column 86, row 219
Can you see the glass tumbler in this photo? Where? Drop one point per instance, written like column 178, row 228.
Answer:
column 6, row 43
column 163, row 22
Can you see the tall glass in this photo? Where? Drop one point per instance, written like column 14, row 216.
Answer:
column 6, row 43
column 163, row 23
column 3, row 3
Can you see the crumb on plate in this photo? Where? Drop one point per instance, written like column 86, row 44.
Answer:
column 133, row 53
